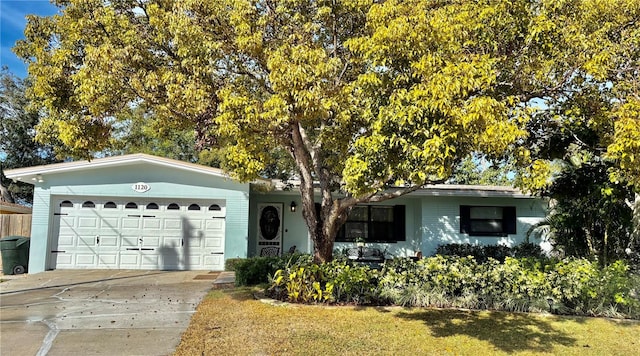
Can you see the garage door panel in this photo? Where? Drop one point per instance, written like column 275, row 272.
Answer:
column 86, row 260
column 108, row 260
column 214, row 224
column 108, row 241
column 169, row 259
column 67, row 221
column 64, row 259
column 89, row 222
column 194, row 261
column 150, row 241
column 131, row 223
column 172, row 224
column 170, row 241
column 129, row 260
column 150, row 235
column 213, row 260
column 213, row 242
column 150, row 260
column 65, row 241
column 151, row 223
column 130, row 241
column 86, row 241
column 194, row 224
column 109, row 223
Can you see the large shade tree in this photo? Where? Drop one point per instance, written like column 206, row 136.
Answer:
column 369, row 100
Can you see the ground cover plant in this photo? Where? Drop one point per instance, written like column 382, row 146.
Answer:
column 233, row 322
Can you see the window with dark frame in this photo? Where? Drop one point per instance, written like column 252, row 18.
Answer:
column 374, row 223
column 487, row 220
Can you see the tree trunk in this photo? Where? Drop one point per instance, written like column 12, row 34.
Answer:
column 323, row 224
column 5, row 195
column 322, row 249
column 635, row 222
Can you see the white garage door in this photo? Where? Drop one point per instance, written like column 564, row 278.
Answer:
column 155, row 234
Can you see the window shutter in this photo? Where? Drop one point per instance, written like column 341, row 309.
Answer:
column 509, row 219
column 465, row 219
column 399, row 223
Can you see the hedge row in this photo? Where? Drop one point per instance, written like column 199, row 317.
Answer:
column 568, row 286
column 498, row 252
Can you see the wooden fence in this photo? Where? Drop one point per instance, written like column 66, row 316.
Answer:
column 15, row 224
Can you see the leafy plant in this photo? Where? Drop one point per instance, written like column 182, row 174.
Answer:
column 498, row 252
column 257, row 270
column 301, row 284
column 568, row 286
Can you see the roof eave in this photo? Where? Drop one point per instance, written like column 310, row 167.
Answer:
column 29, row 174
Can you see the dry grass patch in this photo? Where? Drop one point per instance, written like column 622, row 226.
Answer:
column 231, row 322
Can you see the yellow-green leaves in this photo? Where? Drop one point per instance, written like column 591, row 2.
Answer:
column 625, row 146
column 384, row 92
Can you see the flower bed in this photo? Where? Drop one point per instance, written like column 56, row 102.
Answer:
column 568, row 286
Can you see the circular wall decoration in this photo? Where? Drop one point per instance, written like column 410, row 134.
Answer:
column 269, row 223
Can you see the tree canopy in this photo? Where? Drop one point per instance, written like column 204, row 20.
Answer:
column 17, row 145
column 368, row 100
column 476, row 171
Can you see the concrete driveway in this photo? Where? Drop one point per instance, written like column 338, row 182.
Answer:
column 98, row 312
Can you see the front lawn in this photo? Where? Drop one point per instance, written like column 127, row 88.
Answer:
column 232, row 322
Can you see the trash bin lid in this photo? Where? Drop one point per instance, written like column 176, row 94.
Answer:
column 22, row 240
column 17, row 240
column 11, row 238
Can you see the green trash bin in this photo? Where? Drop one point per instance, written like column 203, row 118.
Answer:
column 15, row 254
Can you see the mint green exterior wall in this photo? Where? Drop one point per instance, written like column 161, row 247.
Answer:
column 294, row 229
column 441, row 220
column 430, row 221
column 117, row 181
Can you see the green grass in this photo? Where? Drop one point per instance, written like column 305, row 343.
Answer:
column 231, row 322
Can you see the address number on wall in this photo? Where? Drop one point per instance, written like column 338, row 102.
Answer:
column 141, row 187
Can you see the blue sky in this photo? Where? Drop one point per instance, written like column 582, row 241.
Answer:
column 12, row 23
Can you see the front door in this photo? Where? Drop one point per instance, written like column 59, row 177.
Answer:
column 269, row 229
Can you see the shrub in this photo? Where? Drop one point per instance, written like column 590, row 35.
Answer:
column 527, row 249
column 569, row 286
column 355, row 284
column 301, row 284
column 338, row 281
column 230, row 264
column 498, row 252
column 301, row 281
column 257, row 270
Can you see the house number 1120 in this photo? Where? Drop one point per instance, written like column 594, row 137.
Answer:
column 141, row 187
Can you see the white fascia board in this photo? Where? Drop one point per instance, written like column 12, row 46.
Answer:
column 483, row 191
column 444, row 190
column 29, row 174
